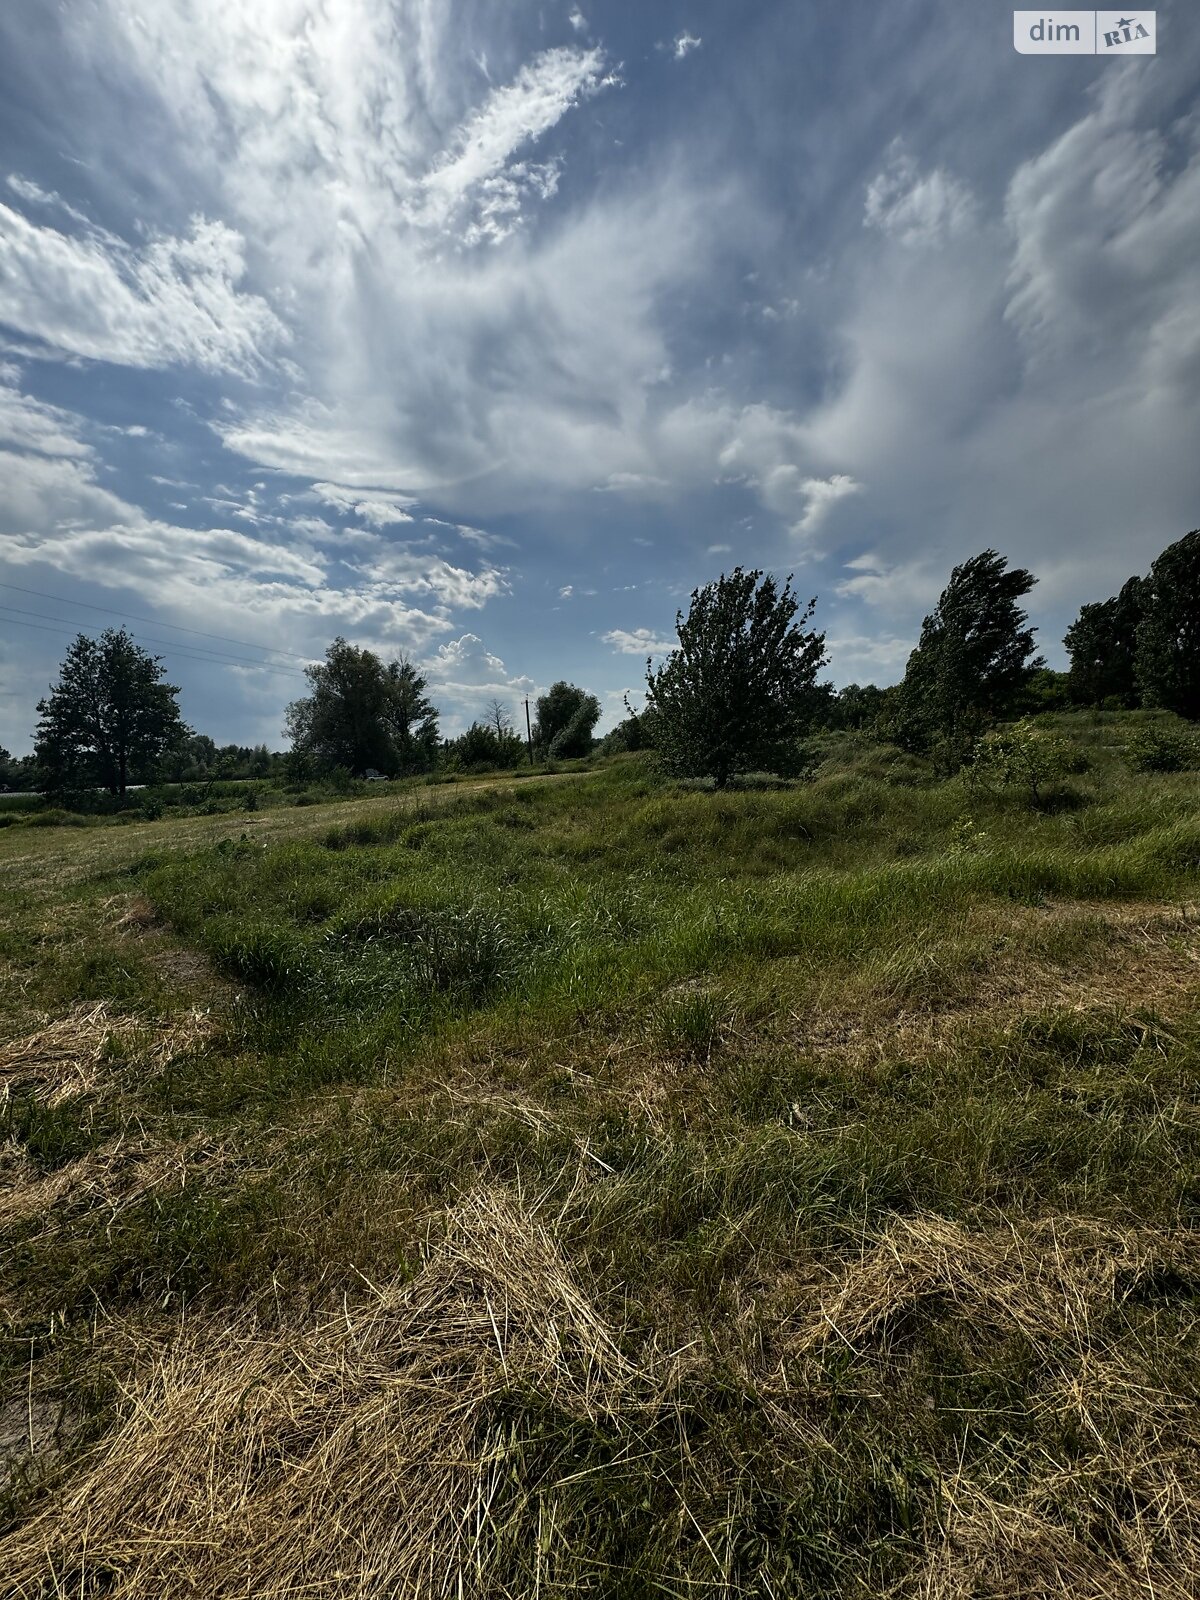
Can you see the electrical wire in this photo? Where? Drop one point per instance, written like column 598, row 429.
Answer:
column 129, row 616
column 185, row 652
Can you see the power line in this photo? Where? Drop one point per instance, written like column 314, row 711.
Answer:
column 198, row 651
column 131, row 617
column 187, row 652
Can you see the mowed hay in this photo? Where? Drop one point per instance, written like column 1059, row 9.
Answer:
column 373, row 1456
column 115, row 1176
column 60, row 1060
column 1114, row 1514
column 1047, row 1280
column 66, row 1058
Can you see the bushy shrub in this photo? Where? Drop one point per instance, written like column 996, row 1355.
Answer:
column 1022, row 756
column 1163, row 749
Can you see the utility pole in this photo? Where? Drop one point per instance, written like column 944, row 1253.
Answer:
column 528, row 731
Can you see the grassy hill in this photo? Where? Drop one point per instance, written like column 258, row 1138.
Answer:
column 594, row 1186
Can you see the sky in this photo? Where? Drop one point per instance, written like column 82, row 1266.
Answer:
column 484, row 333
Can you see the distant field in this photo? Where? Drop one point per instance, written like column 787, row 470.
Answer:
column 593, row 1186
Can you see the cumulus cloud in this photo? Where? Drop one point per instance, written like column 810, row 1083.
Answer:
column 822, row 494
column 685, row 44
column 465, row 676
column 637, row 642
column 175, row 300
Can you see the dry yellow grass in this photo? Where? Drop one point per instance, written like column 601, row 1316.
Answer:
column 79, row 1054
column 368, row 1456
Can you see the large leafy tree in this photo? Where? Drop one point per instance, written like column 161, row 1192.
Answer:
column 110, row 719
column 1102, row 644
column 741, row 686
column 364, row 713
column 566, row 717
column 974, row 659
column 1167, row 659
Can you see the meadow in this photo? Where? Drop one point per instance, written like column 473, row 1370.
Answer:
column 593, row 1185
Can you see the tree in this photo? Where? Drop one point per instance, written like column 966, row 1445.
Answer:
column 1167, row 658
column 740, row 688
column 498, row 718
column 410, row 717
column 362, row 713
column 974, row 659
column 1102, row 644
column 109, row 719
column 566, row 716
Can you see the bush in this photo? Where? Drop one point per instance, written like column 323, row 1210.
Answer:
column 56, row 817
column 1022, row 756
column 1163, row 749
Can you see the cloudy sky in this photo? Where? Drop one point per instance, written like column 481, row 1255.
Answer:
column 485, row 332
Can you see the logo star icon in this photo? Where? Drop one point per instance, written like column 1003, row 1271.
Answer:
column 1126, row 22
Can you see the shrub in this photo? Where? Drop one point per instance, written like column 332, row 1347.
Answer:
column 1022, row 756
column 1163, row 749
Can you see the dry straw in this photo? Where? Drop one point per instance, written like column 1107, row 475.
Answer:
column 370, row 1457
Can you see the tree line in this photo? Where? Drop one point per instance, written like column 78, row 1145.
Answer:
column 738, row 693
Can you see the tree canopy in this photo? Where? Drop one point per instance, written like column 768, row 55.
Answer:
column 566, row 717
column 1102, row 645
column 1167, row 660
column 363, row 713
column 974, row 658
column 740, row 688
column 110, row 719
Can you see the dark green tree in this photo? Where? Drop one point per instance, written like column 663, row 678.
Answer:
column 1167, row 659
column 974, row 659
column 363, row 714
column 1102, row 643
column 741, row 687
column 566, row 716
column 410, row 717
column 110, row 720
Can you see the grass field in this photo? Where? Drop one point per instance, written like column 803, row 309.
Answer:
column 592, row 1186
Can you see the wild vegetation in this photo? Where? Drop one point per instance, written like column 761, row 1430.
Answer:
column 605, row 1185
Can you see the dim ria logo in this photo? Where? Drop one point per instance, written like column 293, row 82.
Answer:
column 1084, row 33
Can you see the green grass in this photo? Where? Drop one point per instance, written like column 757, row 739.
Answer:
column 721, row 1046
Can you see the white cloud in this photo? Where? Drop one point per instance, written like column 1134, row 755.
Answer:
column 566, row 591
column 173, row 301
column 464, row 675
column 685, row 44
column 637, row 642
column 577, row 20
column 29, row 424
column 380, row 510
column 477, row 166
column 822, row 495
column 914, row 207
